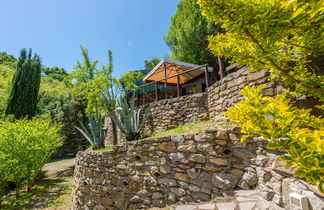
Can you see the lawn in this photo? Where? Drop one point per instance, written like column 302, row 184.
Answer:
column 195, row 127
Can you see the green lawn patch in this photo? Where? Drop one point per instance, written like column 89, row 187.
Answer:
column 195, row 127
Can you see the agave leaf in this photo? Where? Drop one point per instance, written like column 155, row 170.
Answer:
column 85, row 135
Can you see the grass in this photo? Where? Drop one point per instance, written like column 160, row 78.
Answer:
column 52, row 191
column 194, row 127
column 109, row 147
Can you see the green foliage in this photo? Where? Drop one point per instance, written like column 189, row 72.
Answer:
column 150, row 64
column 8, row 60
column 288, row 129
column 25, row 146
column 68, row 111
column 129, row 79
column 94, row 133
column 89, row 81
column 126, row 117
column 55, row 72
column 24, row 92
column 187, row 36
column 283, row 36
column 6, row 75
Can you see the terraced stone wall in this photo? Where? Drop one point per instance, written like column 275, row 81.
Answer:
column 164, row 170
column 170, row 113
column 225, row 93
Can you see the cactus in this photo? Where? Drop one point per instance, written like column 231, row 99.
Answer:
column 96, row 135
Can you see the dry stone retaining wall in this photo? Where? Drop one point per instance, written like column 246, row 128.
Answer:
column 225, row 93
column 170, row 113
column 275, row 183
column 164, row 170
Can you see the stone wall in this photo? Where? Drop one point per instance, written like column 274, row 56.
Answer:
column 164, row 170
column 275, row 183
column 225, row 93
column 170, row 113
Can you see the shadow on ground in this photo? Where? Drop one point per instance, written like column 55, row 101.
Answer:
column 49, row 192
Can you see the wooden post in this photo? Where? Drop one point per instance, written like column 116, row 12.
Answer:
column 178, row 85
column 156, row 92
column 206, row 76
column 165, row 81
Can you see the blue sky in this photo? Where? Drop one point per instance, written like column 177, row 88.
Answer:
column 54, row 29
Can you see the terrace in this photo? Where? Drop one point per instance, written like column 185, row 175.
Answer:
column 170, row 79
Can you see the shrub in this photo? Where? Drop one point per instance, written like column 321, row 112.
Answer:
column 288, row 128
column 25, row 146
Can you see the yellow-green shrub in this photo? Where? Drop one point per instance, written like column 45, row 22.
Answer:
column 288, row 129
column 25, row 146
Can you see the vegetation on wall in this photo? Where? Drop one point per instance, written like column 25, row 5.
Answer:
column 285, row 37
column 24, row 92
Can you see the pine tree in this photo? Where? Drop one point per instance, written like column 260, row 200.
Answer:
column 23, row 96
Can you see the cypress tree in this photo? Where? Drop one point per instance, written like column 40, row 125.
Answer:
column 25, row 87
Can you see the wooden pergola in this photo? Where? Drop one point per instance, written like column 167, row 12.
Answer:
column 175, row 73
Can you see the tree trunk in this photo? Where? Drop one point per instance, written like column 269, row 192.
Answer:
column 221, row 67
column 17, row 191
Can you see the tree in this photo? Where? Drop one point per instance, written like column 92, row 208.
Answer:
column 55, row 72
column 129, row 79
column 8, row 60
column 150, row 64
column 187, row 36
column 6, row 74
column 24, row 92
column 285, row 37
column 282, row 36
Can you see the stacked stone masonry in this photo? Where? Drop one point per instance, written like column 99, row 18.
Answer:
column 226, row 92
column 160, row 171
column 170, row 113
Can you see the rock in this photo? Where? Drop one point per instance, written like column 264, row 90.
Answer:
column 187, row 148
column 149, row 180
column 165, row 169
column 99, row 207
column 224, row 180
column 197, row 158
column 157, row 195
column 178, row 157
column 200, row 196
column 267, row 195
column 192, row 173
column 221, row 135
column 158, row 203
column 118, row 198
column 167, row 182
column 135, row 199
column 181, row 177
column 167, row 147
column 143, row 193
column 219, row 161
column 178, row 191
column 171, row 197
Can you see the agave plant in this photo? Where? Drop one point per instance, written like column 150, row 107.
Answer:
column 124, row 115
column 96, row 135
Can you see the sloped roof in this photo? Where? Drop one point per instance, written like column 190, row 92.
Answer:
column 173, row 68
